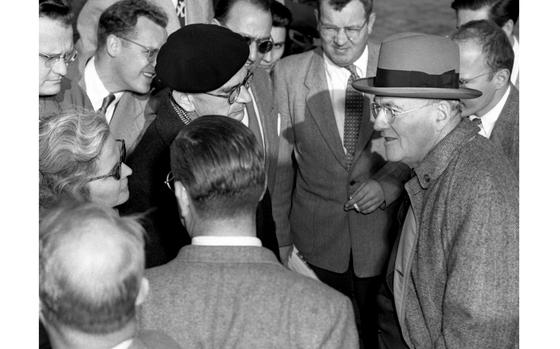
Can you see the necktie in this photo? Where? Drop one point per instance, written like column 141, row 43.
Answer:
column 353, row 109
column 106, row 102
column 181, row 11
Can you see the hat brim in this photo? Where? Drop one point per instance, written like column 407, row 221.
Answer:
column 365, row 85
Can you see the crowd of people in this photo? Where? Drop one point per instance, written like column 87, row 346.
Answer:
column 208, row 181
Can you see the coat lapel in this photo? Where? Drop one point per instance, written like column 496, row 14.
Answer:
column 320, row 106
column 366, row 127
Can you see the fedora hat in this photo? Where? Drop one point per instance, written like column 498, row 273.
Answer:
column 414, row 65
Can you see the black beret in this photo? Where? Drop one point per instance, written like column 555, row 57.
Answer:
column 200, row 58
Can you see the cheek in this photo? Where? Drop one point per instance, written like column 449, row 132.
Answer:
column 107, row 192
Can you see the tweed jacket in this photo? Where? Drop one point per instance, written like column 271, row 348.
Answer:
column 506, row 130
column 150, row 164
column 132, row 115
column 198, row 11
column 242, row 297
column 462, row 288
column 147, row 339
column 313, row 216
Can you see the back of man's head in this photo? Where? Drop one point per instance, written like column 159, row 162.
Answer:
column 56, row 10
column 223, row 7
column 492, row 40
column 91, row 266
column 499, row 11
column 120, row 18
column 221, row 165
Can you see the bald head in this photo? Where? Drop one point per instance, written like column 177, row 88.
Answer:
column 91, row 265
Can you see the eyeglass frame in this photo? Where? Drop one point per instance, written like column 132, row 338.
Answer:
column 463, row 82
column 394, row 114
column 358, row 29
column 116, row 170
column 262, row 49
column 67, row 57
column 169, row 180
column 150, row 53
column 235, row 90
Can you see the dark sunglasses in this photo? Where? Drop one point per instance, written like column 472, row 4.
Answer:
column 263, row 45
column 116, row 170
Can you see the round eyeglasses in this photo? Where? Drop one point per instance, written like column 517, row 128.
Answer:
column 236, row 90
column 263, row 45
column 390, row 113
column 352, row 32
column 66, row 57
column 116, row 170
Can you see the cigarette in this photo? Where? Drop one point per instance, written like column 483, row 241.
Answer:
column 356, row 207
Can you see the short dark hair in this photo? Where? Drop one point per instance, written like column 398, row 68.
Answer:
column 500, row 11
column 221, row 10
column 57, row 10
column 121, row 17
column 492, row 40
column 281, row 15
column 340, row 4
column 221, row 165
column 94, row 298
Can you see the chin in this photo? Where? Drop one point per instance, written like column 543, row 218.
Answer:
column 49, row 90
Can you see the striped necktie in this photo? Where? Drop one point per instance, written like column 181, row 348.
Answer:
column 353, row 110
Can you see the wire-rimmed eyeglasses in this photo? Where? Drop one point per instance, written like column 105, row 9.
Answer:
column 66, row 57
column 116, row 170
column 150, row 53
column 390, row 113
column 236, row 90
column 352, row 32
column 169, row 179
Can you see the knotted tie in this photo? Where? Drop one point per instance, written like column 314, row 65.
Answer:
column 353, row 109
column 181, row 11
column 106, row 102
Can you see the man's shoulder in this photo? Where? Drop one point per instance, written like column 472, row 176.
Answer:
column 153, row 340
column 295, row 64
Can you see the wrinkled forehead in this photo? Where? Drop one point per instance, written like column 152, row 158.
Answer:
column 249, row 20
column 54, row 35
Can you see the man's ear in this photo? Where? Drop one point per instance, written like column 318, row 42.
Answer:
column 183, row 199
column 443, row 114
column 143, row 292
column 113, row 45
column 508, row 29
column 501, row 78
column 371, row 20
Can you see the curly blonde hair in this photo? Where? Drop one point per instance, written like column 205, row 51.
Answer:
column 69, row 145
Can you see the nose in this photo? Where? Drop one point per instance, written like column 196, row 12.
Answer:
column 125, row 170
column 267, row 58
column 244, row 96
column 340, row 37
column 379, row 123
column 253, row 54
column 60, row 67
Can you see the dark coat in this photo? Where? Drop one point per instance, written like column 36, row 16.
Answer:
column 150, row 164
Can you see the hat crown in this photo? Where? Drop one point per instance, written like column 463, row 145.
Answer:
column 425, row 53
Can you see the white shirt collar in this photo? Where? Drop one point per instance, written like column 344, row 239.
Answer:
column 515, row 69
column 96, row 91
column 489, row 119
column 124, row 345
column 207, row 240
